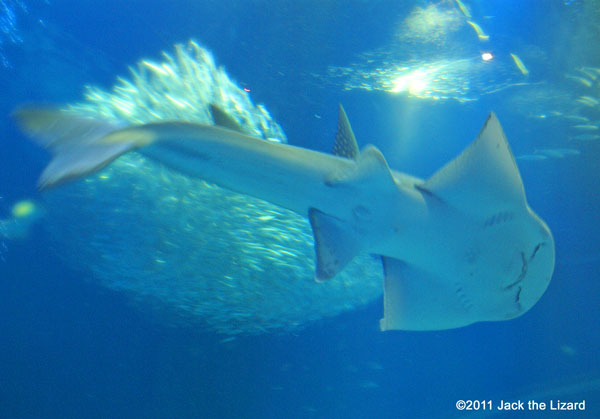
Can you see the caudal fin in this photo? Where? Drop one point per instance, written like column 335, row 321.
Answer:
column 74, row 141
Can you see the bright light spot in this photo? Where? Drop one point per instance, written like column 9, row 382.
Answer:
column 487, row 56
column 414, row 83
column 23, row 209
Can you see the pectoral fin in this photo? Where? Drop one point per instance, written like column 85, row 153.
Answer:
column 415, row 299
column 483, row 180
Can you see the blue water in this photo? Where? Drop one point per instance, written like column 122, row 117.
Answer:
column 70, row 347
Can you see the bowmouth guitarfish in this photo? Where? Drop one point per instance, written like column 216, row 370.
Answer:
column 460, row 247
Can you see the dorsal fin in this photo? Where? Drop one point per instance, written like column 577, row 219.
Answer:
column 484, row 178
column 345, row 143
column 338, row 241
column 223, row 119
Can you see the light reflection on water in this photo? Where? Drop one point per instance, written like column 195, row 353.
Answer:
column 9, row 21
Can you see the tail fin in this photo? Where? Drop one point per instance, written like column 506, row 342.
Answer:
column 74, row 141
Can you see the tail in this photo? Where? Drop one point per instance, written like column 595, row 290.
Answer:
column 76, row 143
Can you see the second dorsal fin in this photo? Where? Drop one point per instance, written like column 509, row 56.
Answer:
column 223, row 119
column 345, row 143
